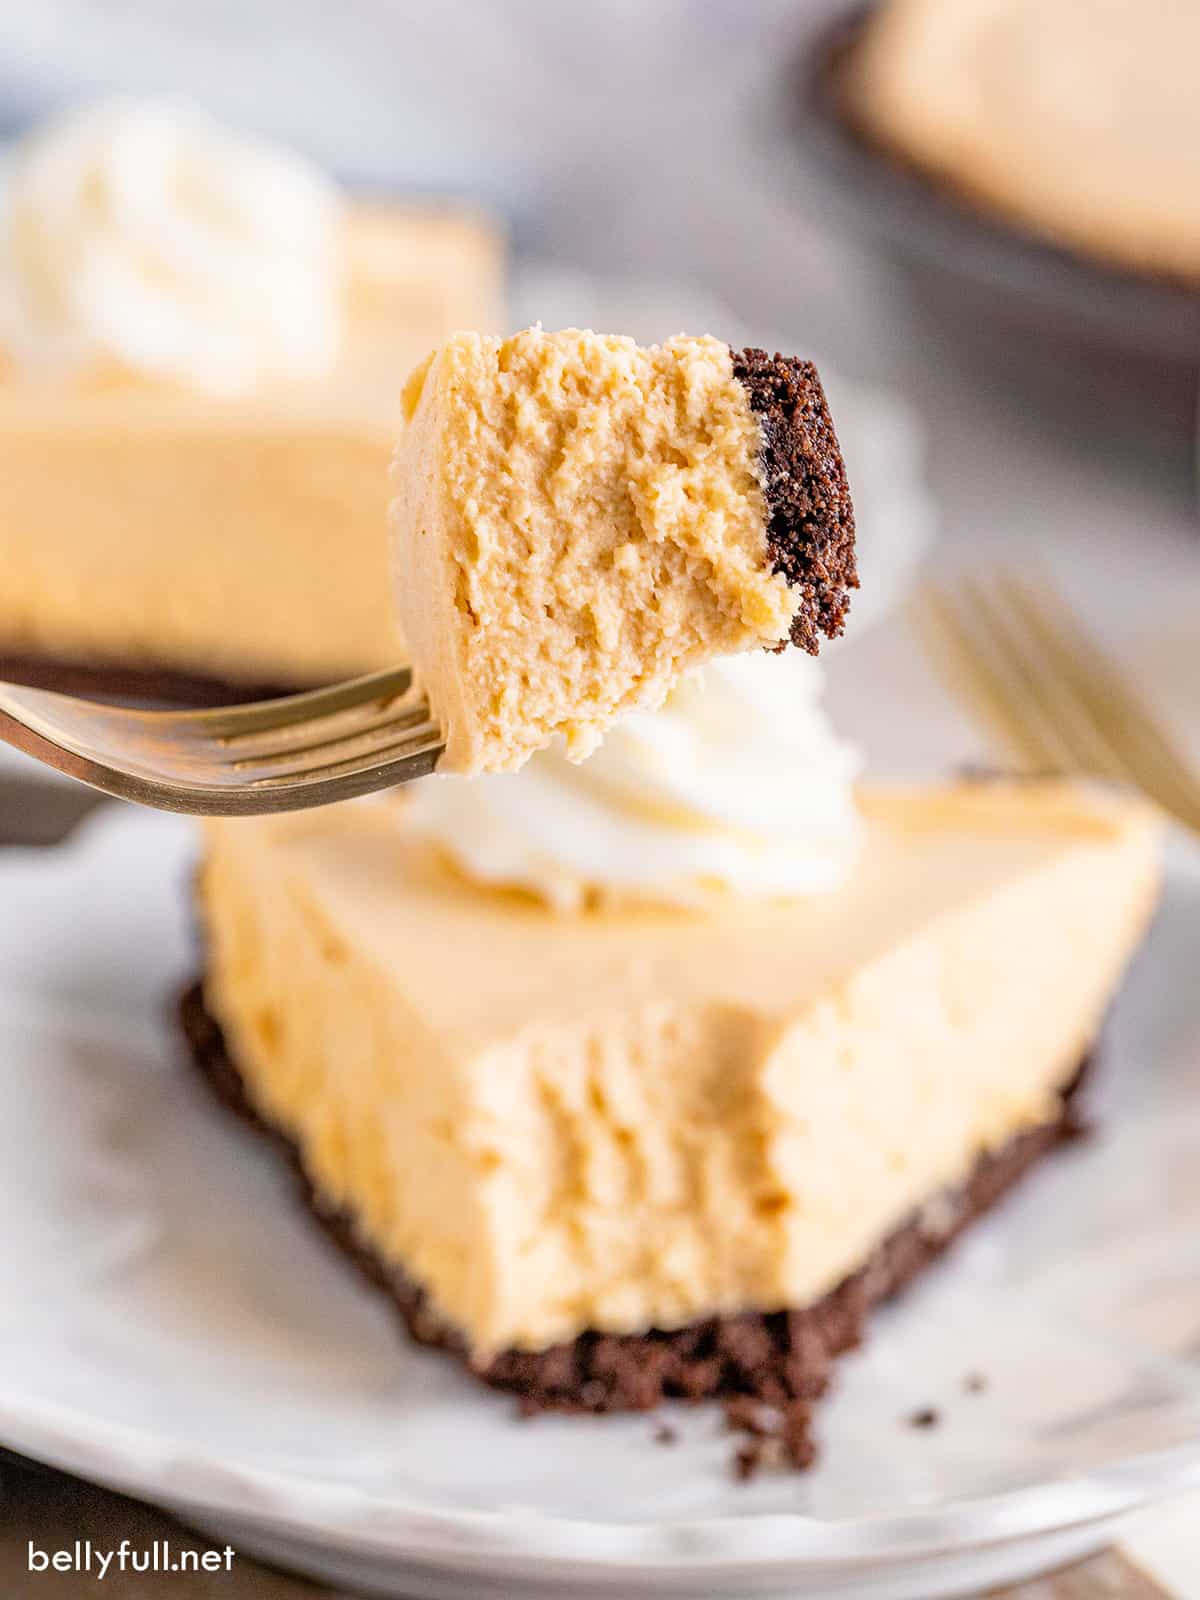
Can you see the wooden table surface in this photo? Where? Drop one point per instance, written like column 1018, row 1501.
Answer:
column 51, row 1510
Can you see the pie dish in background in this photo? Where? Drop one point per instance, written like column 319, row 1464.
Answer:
column 1078, row 122
column 1061, row 318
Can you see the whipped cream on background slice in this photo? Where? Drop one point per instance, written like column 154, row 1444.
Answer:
column 738, row 784
column 143, row 234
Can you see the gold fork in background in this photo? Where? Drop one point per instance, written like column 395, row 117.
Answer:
column 1010, row 649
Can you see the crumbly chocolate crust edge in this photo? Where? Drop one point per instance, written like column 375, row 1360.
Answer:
column 779, row 1359
column 810, row 515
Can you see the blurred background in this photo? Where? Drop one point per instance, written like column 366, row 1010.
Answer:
column 653, row 165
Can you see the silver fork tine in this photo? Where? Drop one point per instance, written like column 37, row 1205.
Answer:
column 303, row 750
column 304, row 738
column 319, row 727
column 424, row 742
column 258, row 716
column 381, row 745
column 287, row 717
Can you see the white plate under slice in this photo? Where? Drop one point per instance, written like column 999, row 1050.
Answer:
column 171, row 1324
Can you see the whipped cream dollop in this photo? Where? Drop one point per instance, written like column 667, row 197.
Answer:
column 143, row 234
column 738, row 784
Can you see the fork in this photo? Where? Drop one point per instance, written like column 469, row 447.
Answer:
column 1014, row 653
column 274, row 755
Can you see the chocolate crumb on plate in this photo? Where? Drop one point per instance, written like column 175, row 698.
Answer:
column 799, row 1446
column 746, row 1414
column 781, row 1435
column 748, row 1460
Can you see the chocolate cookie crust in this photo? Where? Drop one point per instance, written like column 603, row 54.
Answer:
column 780, row 1358
column 810, row 530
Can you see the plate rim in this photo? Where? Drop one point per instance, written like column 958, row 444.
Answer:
column 163, row 1469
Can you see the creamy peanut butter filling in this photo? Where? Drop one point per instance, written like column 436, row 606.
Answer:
column 642, row 1118
column 577, row 521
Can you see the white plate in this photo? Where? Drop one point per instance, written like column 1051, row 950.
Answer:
column 171, row 1324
